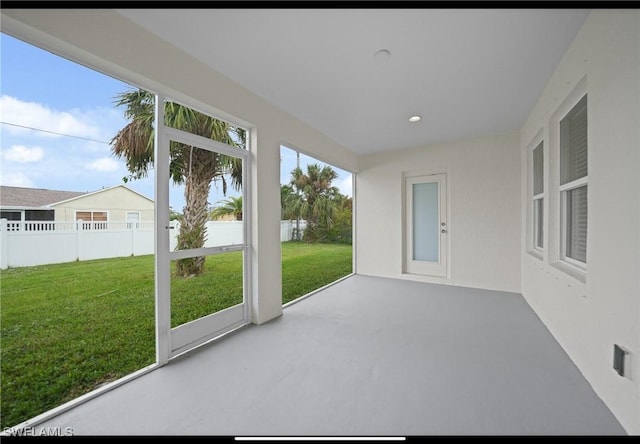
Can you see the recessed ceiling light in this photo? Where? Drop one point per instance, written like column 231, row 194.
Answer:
column 382, row 55
column 414, row 119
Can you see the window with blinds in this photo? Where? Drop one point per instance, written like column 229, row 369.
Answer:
column 574, row 183
column 573, row 143
column 538, row 196
column 576, row 239
column 96, row 220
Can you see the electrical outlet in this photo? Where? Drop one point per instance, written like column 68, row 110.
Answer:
column 621, row 361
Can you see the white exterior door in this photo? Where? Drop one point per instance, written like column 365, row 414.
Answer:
column 426, row 225
column 133, row 219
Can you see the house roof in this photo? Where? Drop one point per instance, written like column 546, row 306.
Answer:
column 33, row 197
column 40, row 197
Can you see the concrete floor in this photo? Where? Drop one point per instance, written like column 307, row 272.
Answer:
column 367, row 356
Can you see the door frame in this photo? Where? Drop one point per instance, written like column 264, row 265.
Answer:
column 171, row 342
column 438, row 269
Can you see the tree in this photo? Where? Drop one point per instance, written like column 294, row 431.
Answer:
column 232, row 206
column 317, row 201
column 291, row 206
column 174, row 215
column 194, row 167
column 341, row 229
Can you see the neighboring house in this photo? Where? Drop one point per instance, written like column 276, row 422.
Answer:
column 113, row 204
column 31, row 204
column 224, row 218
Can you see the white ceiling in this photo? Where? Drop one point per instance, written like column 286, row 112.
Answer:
column 466, row 72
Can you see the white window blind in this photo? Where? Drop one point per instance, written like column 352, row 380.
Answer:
column 538, row 195
column 573, row 143
column 576, row 247
column 538, row 172
column 574, row 181
column 538, row 217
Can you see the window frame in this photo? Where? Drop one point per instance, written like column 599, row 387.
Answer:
column 92, row 224
column 564, row 223
column 530, row 198
column 537, row 219
column 563, row 190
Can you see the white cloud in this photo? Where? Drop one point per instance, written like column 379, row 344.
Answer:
column 346, row 186
column 16, row 180
column 23, row 154
column 103, row 164
column 37, row 115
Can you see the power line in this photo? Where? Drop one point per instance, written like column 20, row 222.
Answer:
column 53, row 132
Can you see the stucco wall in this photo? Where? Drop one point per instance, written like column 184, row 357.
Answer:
column 588, row 318
column 483, row 183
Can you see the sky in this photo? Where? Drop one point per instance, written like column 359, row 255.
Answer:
column 70, row 117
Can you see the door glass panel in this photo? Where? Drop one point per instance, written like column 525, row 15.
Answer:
column 208, row 186
column 426, row 237
column 218, row 287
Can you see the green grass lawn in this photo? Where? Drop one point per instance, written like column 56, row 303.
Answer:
column 68, row 328
column 308, row 267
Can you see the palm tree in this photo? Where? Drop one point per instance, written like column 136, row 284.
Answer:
column 232, row 206
column 318, row 199
column 194, row 167
column 291, row 206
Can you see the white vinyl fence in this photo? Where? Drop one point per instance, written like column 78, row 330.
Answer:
column 25, row 244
